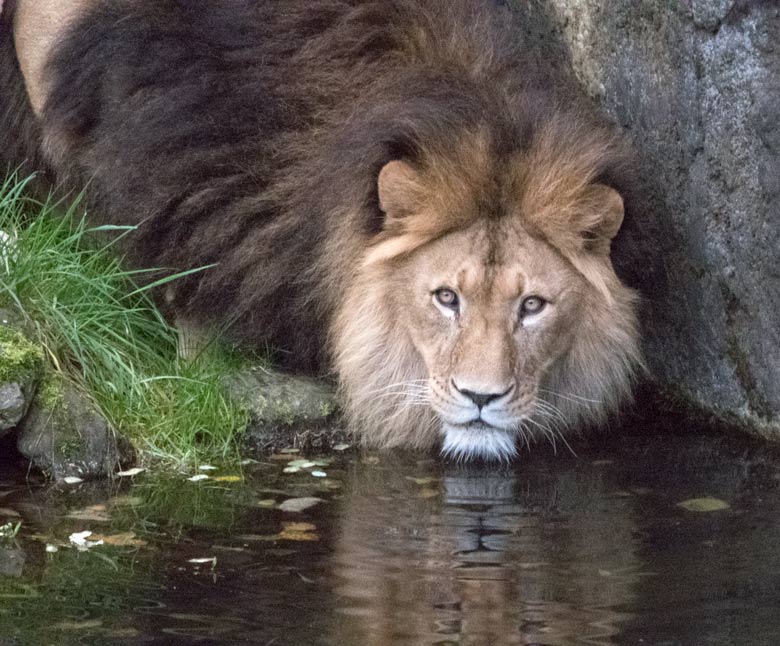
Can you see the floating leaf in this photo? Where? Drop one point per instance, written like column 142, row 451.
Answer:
column 77, row 625
column 9, row 513
column 300, row 527
column 290, row 451
column 302, row 464
column 198, row 478
column 210, row 559
column 97, row 513
column 131, row 472
column 704, row 504
column 292, row 535
column 123, row 539
column 422, row 481
column 427, row 493
column 228, row 479
column 52, row 548
column 291, row 469
column 319, row 474
column 79, row 539
column 71, row 480
column 299, row 504
column 281, row 457
column 341, row 447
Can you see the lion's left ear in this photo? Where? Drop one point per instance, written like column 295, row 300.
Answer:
column 601, row 217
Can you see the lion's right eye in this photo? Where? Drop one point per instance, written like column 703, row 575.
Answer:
column 447, row 298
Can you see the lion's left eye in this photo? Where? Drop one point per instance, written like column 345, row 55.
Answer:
column 532, row 305
column 447, row 298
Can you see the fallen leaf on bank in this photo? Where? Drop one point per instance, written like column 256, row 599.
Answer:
column 9, row 513
column 299, row 504
column 371, row 459
column 281, row 457
column 319, row 474
column 198, row 478
column 268, row 502
column 291, row 470
column 704, row 504
column 131, row 472
column 51, row 548
column 341, row 447
column 290, row 451
column 228, row 479
column 427, row 493
column 71, row 480
column 124, row 539
column 207, row 467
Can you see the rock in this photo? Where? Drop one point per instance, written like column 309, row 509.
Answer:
column 12, row 561
column 697, row 86
column 64, row 435
column 21, row 366
column 286, row 409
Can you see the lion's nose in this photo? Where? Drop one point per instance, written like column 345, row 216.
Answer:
column 481, row 399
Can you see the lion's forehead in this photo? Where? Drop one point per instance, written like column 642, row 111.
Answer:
column 502, row 264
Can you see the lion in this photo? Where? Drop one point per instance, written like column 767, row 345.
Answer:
column 395, row 192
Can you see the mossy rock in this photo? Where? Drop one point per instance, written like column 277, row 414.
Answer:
column 285, row 408
column 64, row 435
column 21, row 367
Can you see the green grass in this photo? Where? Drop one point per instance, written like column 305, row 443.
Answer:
column 102, row 331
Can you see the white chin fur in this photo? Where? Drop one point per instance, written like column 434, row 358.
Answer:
column 478, row 442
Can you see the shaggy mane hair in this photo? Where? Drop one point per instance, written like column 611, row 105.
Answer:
column 250, row 135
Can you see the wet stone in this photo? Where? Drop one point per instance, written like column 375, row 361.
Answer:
column 12, row 561
column 64, row 436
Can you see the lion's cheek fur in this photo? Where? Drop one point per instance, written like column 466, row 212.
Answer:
column 380, row 370
column 599, row 371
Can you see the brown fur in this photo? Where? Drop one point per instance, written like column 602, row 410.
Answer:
column 330, row 157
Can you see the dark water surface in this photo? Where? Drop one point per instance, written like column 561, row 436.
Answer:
column 557, row 549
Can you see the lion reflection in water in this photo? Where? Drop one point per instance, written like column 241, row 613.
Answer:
column 472, row 559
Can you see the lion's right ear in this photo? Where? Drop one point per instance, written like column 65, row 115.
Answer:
column 399, row 192
column 400, row 197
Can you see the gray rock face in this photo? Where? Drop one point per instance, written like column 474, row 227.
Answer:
column 696, row 83
column 13, row 405
column 12, row 560
column 63, row 435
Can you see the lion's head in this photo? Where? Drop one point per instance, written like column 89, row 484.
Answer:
column 487, row 309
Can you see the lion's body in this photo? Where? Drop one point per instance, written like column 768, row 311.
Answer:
column 252, row 134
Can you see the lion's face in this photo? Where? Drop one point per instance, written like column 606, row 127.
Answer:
column 489, row 310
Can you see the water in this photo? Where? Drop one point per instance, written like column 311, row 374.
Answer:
column 402, row 549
